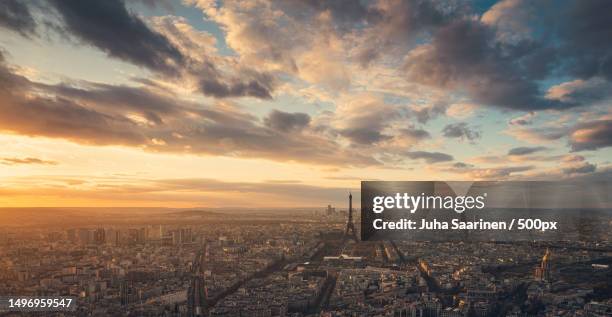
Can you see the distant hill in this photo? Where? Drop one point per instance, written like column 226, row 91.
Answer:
column 197, row 212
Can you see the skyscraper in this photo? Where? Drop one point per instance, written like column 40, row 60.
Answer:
column 542, row 272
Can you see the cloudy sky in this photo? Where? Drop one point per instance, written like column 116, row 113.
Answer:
column 293, row 102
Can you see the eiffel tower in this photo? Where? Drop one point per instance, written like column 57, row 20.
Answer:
column 350, row 232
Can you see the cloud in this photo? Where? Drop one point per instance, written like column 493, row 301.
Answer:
column 396, row 25
column 572, row 158
column 584, row 38
column 496, row 172
column 260, row 87
column 449, row 60
column 429, row 157
column 581, row 91
column 511, row 19
column 460, row 165
column 523, row 150
column 167, row 45
column 214, row 75
column 566, row 166
column 582, row 136
column 195, row 44
column 363, row 119
column 350, row 178
column 461, row 110
column 517, row 157
column 414, row 134
column 283, row 181
column 120, row 99
column 171, row 192
column 30, row 114
column 294, row 191
column 290, row 37
column 583, row 168
column 428, row 112
column 471, row 172
column 134, row 116
column 26, row 161
column 259, row 33
column 572, row 164
column 591, row 135
column 460, row 130
column 16, row 16
column 499, row 59
column 319, row 41
column 64, row 119
column 525, row 119
column 365, row 136
column 285, row 121
column 285, row 34
column 464, row 55
column 538, row 135
column 109, row 26
column 346, row 13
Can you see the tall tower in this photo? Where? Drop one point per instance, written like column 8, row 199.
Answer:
column 542, row 272
column 350, row 232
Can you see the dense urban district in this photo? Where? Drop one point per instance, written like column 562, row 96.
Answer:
column 291, row 263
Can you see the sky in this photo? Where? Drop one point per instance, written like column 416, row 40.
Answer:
column 292, row 103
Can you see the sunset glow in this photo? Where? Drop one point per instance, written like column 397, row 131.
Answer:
column 290, row 103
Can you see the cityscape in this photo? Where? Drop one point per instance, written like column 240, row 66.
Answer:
column 203, row 158
column 310, row 263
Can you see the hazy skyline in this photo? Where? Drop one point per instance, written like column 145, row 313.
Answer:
column 292, row 103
